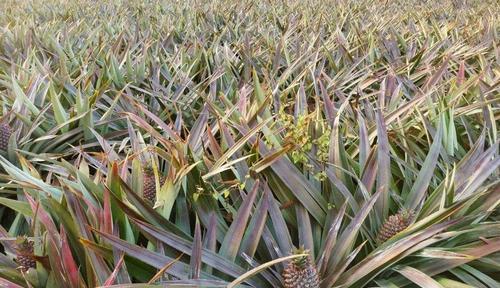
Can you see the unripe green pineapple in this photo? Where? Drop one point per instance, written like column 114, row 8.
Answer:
column 150, row 184
column 25, row 253
column 395, row 224
column 5, row 132
column 301, row 272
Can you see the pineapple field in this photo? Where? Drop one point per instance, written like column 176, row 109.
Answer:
column 226, row 143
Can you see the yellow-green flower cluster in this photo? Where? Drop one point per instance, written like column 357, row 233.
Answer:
column 296, row 133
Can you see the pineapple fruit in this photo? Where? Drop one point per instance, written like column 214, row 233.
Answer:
column 395, row 224
column 5, row 132
column 301, row 272
column 149, row 186
column 25, row 253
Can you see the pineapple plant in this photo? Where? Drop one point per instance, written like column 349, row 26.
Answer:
column 395, row 224
column 25, row 253
column 297, row 124
column 300, row 272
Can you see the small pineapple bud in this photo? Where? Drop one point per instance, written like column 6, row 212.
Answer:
column 25, row 253
column 395, row 224
column 301, row 272
column 5, row 132
column 149, row 191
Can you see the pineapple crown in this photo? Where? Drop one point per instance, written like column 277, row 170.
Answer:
column 5, row 117
column 23, row 243
column 407, row 214
column 148, row 169
column 301, row 261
